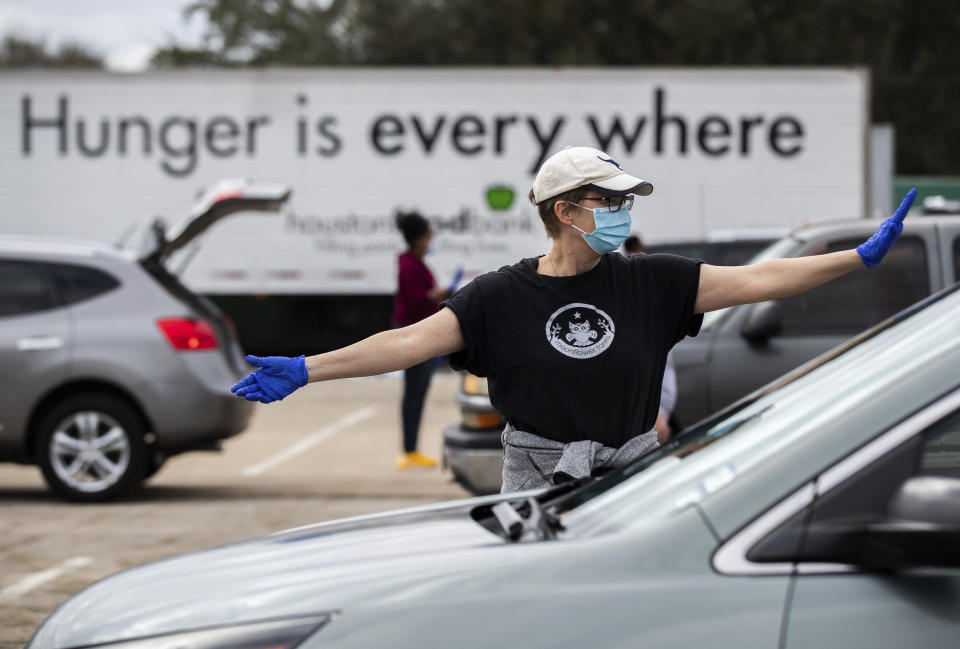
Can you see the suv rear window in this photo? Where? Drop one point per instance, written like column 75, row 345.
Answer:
column 77, row 283
column 861, row 298
column 25, row 288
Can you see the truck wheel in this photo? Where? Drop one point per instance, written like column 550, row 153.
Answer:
column 91, row 449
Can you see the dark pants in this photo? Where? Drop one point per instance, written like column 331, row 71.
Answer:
column 416, row 381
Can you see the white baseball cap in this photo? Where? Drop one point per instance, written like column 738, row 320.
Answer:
column 580, row 166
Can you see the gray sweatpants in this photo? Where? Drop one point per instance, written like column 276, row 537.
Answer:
column 532, row 462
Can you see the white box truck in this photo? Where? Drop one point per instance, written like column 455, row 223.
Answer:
column 90, row 153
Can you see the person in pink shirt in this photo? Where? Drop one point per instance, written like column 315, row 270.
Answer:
column 418, row 297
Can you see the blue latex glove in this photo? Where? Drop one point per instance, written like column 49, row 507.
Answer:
column 457, row 276
column 275, row 378
column 873, row 249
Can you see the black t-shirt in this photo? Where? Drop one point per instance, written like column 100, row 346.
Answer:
column 581, row 357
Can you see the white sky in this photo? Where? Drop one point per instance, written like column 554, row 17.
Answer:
column 124, row 32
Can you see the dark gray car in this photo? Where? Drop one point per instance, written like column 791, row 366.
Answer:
column 824, row 512
column 109, row 364
column 742, row 348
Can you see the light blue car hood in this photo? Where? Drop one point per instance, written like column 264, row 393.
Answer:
column 375, row 560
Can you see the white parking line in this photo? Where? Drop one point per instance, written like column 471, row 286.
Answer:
column 310, row 441
column 38, row 579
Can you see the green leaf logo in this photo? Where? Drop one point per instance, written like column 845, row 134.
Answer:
column 500, row 197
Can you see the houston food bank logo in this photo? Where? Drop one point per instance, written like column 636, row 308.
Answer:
column 580, row 330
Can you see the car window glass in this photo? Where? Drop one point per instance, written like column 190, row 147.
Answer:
column 24, row 288
column 865, row 496
column 76, row 283
column 863, row 297
column 940, row 454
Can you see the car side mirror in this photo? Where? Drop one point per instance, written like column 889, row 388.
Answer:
column 934, row 500
column 763, row 322
column 922, row 526
column 921, row 529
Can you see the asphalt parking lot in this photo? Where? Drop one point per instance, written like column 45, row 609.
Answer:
column 326, row 452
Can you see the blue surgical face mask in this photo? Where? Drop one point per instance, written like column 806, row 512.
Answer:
column 612, row 228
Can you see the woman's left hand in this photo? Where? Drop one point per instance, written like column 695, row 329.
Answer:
column 873, row 249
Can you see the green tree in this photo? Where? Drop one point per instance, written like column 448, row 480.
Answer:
column 256, row 33
column 24, row 52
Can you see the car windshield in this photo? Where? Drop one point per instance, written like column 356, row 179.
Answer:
column 775, row 250
column 706, row 458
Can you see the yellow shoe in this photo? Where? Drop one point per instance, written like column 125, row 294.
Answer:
column 420, row 459
column 415, row 458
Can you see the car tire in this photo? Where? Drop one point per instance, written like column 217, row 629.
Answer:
column 90, row 448
column 155, row 462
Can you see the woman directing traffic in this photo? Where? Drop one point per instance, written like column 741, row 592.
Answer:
column 575, row 341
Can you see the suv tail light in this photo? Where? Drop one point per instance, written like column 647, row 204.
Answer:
column 186, row 334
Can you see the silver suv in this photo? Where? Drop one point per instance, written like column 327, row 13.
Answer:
column 744, row 347
column 108, row 364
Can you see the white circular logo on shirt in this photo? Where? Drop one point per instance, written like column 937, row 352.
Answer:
column 580, row 330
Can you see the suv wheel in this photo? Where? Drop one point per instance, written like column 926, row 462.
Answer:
column 90, row 448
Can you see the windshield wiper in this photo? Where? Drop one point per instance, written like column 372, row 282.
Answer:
column 526, row 521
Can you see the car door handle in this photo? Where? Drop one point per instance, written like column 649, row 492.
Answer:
column 39, row 343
